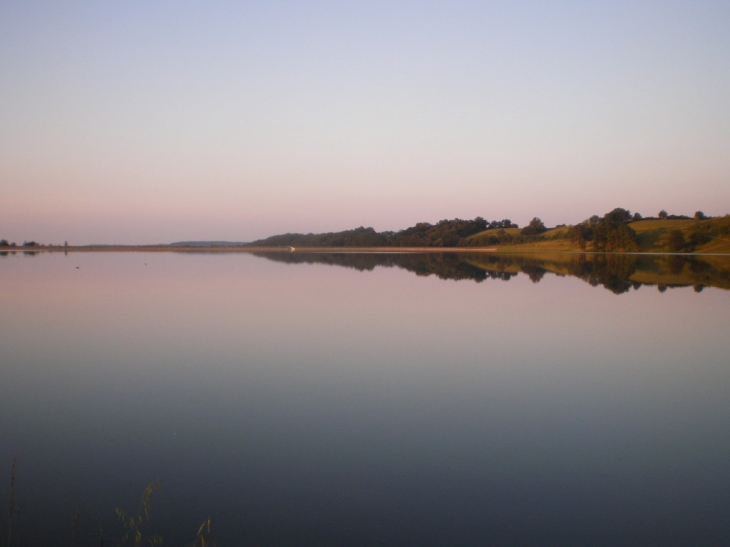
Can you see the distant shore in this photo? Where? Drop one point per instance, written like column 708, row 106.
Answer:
column 616, row 232
column 221, row 249
column 241, row 249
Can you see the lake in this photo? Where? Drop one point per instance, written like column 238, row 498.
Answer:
column 366, row 399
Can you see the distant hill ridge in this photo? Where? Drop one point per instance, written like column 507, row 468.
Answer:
column 616, row 231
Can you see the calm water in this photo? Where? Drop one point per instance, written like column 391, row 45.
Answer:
column 347, row 401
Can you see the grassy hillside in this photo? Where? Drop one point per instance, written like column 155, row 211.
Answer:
column 495, row 232
column 652, row 236
column 712, row 235
column 616, row 231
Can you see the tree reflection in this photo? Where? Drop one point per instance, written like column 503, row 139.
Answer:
column 619, row 273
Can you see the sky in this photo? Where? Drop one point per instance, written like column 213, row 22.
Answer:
column 137, row 122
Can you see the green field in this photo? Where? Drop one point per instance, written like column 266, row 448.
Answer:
column 652, row 236
column 495, row 232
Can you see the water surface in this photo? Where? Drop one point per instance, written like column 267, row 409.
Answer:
column 297, row 401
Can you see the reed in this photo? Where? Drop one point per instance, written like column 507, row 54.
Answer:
column 13, row 511
column 134, row 525
column 203, row 538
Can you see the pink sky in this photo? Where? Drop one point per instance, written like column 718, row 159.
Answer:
column 132, row 123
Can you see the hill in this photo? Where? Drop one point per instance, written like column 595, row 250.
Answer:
column 671, row 235
column 616, row 231
column 702, row 236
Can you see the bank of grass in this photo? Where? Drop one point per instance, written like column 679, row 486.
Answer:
column 496, row 232
column 719, row 245
column 541, row 246
column 511, row 240
column 559, row 231
column 652, row 236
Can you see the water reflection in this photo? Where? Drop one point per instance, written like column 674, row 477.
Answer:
column 320, row 406
column 618, row 273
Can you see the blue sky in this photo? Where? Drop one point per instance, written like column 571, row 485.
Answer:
column 134, row 122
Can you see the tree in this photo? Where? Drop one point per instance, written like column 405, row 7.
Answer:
column 535, row 227
column 4, row 243
column 699, row 236
column 612, row 232
column 676, row 242
column 479, row 225
column 637, row 216
column 699, row 215
column 618, row 216
column 610, row 237
column 581, row 234
column 663, row 214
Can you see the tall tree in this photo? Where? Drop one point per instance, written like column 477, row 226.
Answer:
column 535, row 227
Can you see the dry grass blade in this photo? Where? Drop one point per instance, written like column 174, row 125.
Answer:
column 201, row 540
column 11, row 504
column 133, row 524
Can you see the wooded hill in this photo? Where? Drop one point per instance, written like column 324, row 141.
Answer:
column 616, row 231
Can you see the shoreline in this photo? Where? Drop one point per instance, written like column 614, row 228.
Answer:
column 241, row 249
column 310, row 250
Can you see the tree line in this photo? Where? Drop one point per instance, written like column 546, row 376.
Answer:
column 608, row 233
column 445, row 233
